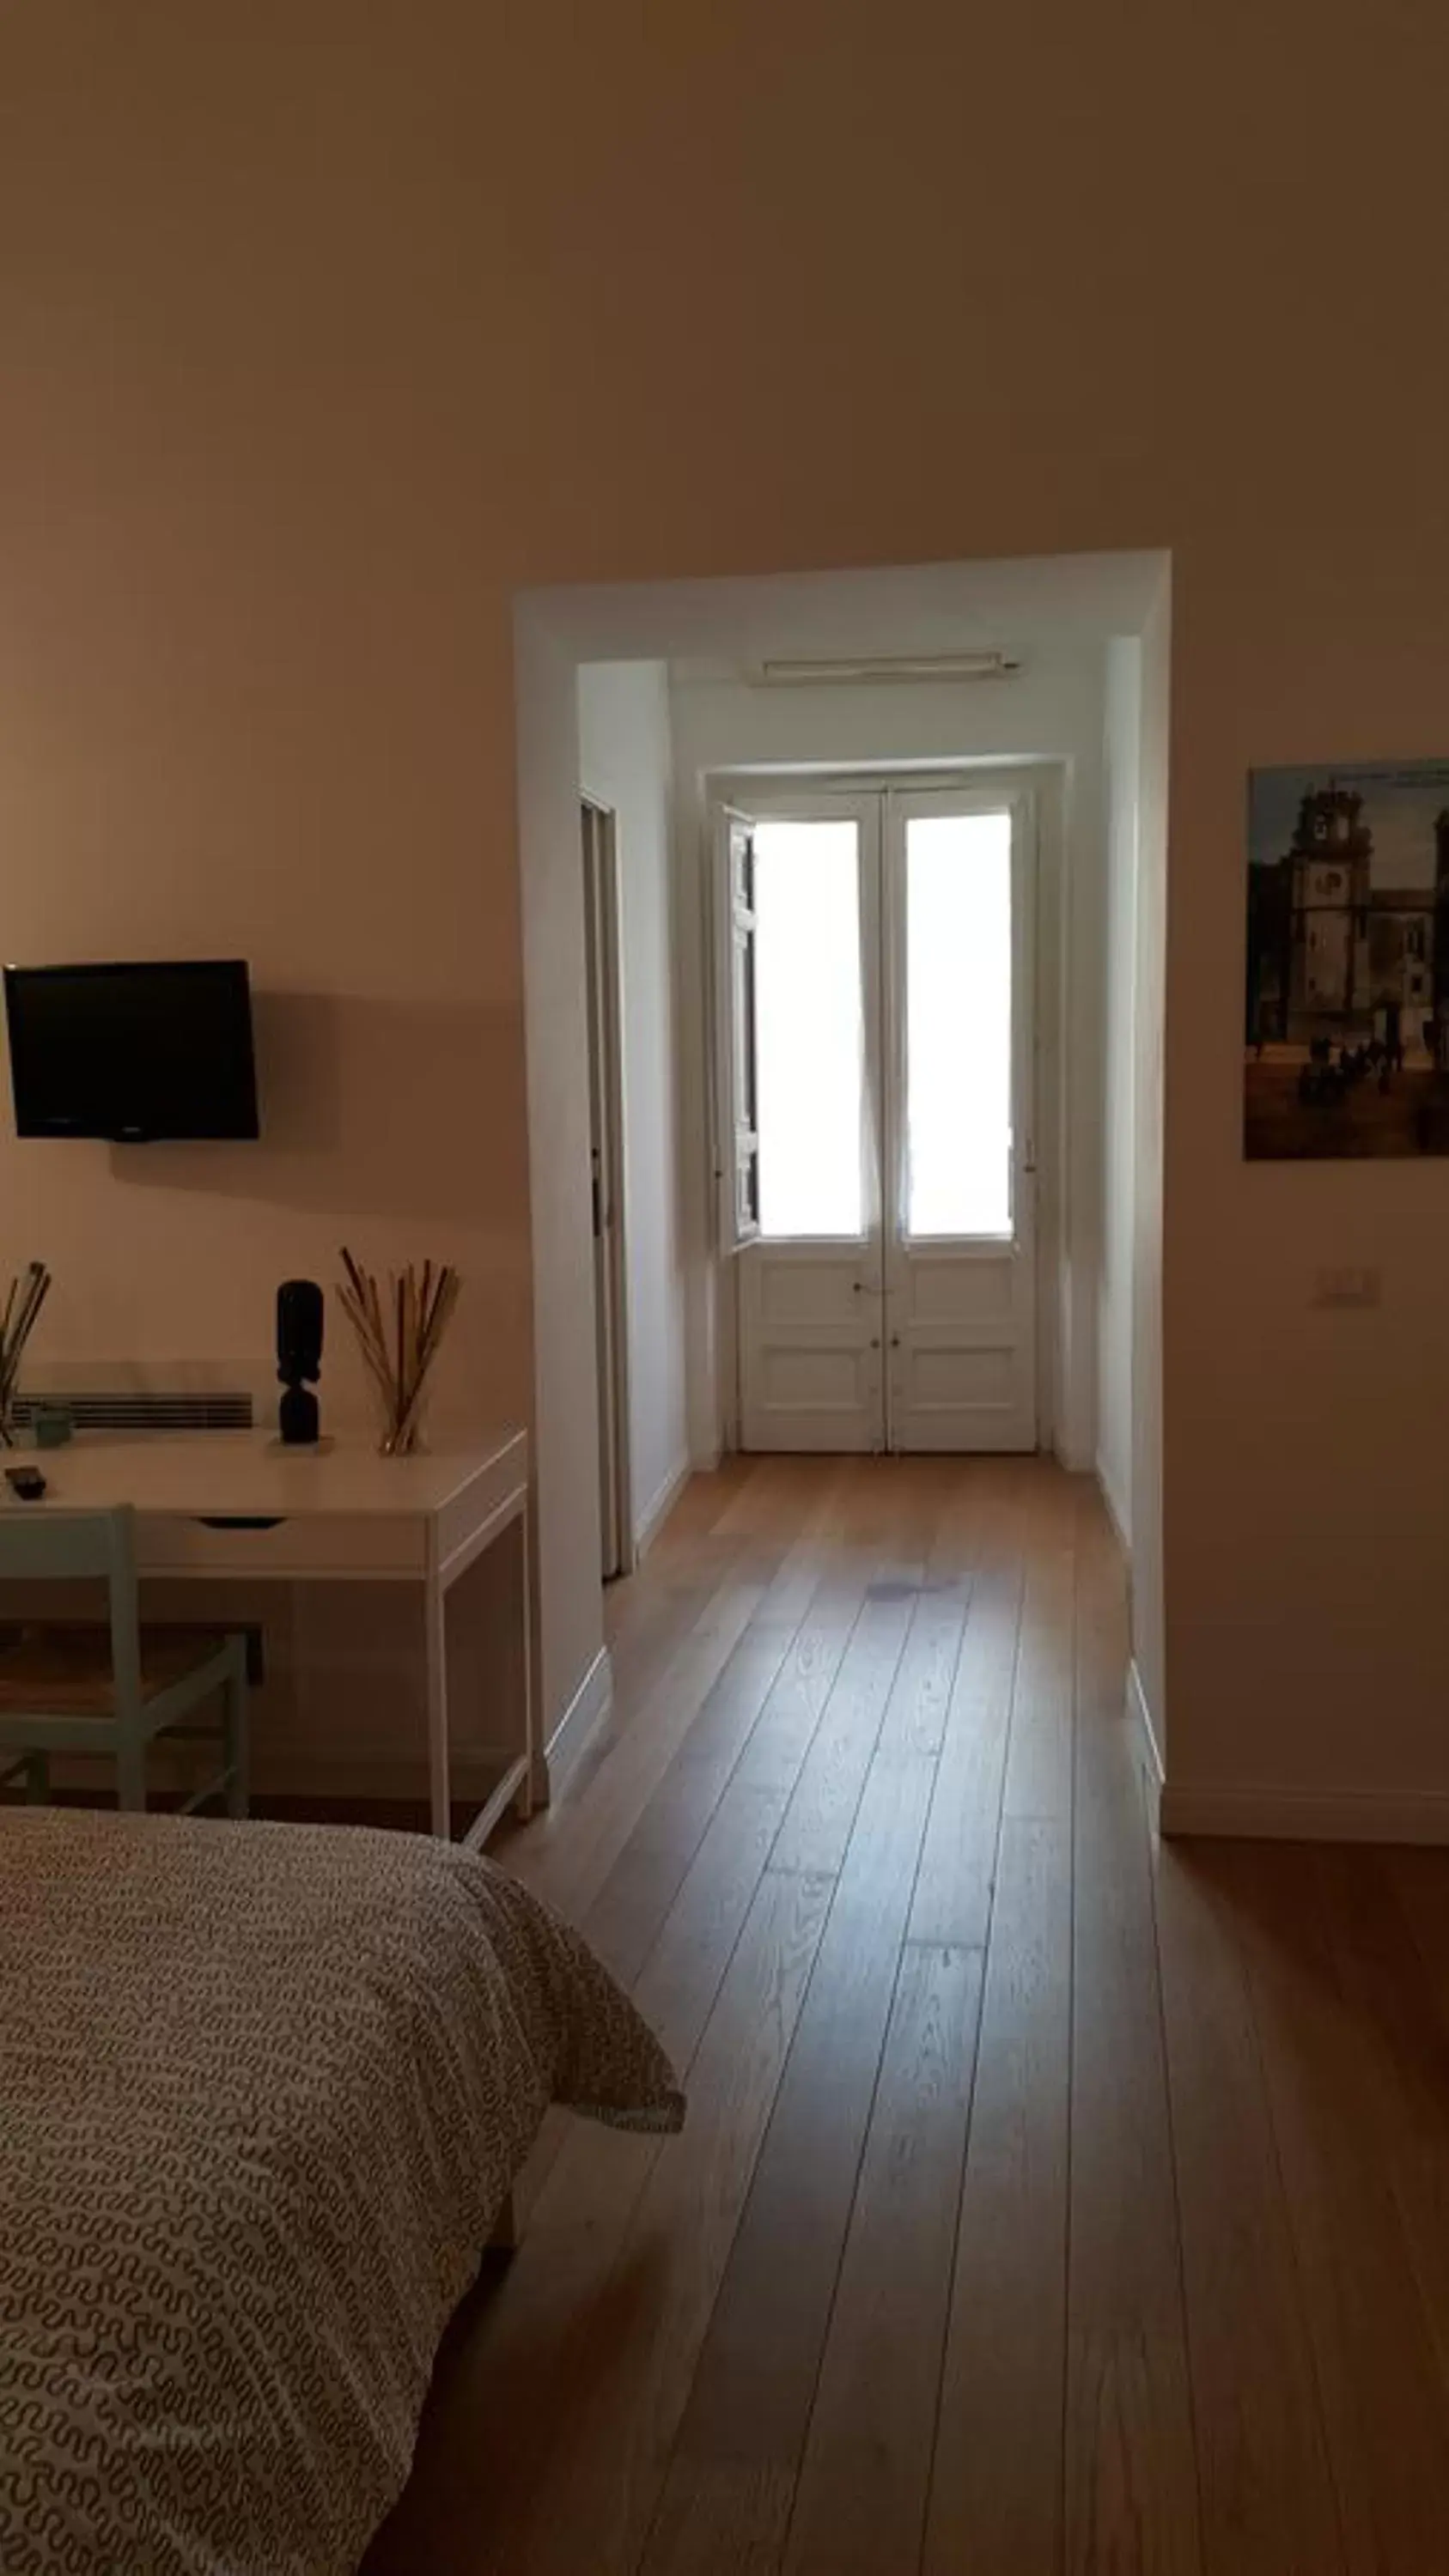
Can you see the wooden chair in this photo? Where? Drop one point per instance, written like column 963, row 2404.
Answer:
column 68, row 1688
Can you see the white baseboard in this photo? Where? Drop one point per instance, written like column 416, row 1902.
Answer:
column 658, row 1506
column 1307, row 1815
column 583, row 1712
column 1114, row 1509
column 1138, row 1708
column 1264, row 1814
column 1069, row 1454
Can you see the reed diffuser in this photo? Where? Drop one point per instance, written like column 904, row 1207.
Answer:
column 28, row 1294
column 399, row 1330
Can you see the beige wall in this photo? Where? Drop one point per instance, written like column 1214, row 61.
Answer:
column 325, row 329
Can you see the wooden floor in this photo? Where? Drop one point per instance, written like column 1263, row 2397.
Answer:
column 1048, row 2201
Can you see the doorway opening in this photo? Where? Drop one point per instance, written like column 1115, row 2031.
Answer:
column 604, row 1008
column 656, row 698
column 877, row 1160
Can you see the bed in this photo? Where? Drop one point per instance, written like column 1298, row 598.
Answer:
column 263, row 2092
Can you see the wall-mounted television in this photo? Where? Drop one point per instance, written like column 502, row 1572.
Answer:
column 133, row 1053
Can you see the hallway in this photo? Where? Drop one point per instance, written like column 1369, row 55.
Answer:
column 1048, row 2201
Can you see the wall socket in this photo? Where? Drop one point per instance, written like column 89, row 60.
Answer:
column 1348, row 1287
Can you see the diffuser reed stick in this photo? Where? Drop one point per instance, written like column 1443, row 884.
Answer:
column 399, row 1333
column 27, row 1295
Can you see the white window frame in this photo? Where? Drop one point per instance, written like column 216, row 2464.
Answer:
column 737, row 1143
column 736, row 1136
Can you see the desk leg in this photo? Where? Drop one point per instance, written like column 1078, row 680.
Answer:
column 436, row 1636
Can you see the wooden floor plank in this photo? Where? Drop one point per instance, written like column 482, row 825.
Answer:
column 920, row 1697
column 821, row 1814
column 1377, row 2366
column 952, row 1902
column 1209, row 2122
column 598, row 2487
column 750, row 2402
column 1394, row 1999
column 625, row 1916
column 675, row 1979
column 794, row 1625
column 774, row 1498
column 647, row 1617
column 588, row 2347
column 997, row 2480
column 1039, row 1762
column 1268, row 2502
column 861, row 2498
column 778, row 1746
column 578, row 1840
column 719, row 2516
column 1131, row 2469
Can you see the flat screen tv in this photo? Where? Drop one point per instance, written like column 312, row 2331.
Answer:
column 132, row 1053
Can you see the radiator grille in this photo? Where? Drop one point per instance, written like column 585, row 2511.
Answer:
column 93, row 1412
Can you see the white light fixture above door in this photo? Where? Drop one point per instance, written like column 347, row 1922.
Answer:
column 980, row 665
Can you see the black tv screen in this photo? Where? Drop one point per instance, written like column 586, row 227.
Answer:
column 132, row 1053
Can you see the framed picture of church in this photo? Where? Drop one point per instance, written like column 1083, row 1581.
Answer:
column 1347, row 1021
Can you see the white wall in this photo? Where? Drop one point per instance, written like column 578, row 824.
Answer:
column 624, row 763
column 1122, row 784
column 1051, row 712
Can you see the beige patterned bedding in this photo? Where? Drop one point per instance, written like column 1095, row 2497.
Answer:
column 263, row 2090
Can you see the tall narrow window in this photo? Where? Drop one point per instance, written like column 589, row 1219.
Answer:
column 808, row 1033
column 958, row 1025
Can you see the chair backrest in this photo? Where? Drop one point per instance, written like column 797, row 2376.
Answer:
column 40, row 1544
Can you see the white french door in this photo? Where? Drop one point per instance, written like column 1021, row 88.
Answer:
column 879, row 1027
column 811, row 1284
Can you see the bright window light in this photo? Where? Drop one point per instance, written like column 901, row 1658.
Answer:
column 958, row 1024
column 808, row 1053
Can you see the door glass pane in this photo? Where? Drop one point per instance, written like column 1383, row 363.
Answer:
column 958, row 1024
column 808, row 1051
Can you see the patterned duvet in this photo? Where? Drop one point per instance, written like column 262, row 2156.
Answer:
column 263, row 2090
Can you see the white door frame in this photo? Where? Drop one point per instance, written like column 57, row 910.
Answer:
column 606, row 1137
column 1045, row 782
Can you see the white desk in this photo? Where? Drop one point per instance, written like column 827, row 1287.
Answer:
column 234, row 1504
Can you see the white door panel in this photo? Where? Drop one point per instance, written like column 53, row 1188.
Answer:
column 960, row 1366
column 811, row 1372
